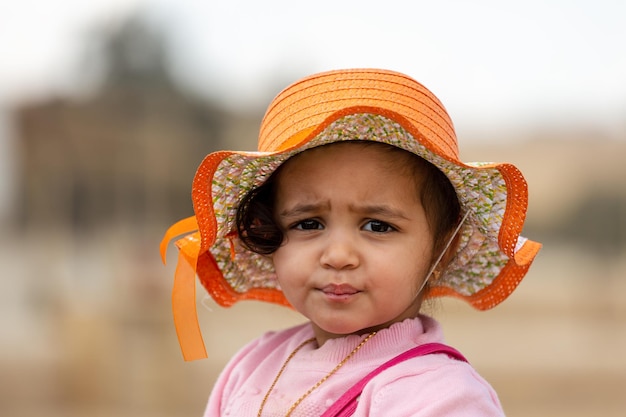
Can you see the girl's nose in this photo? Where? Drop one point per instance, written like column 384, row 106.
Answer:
column 340, row 252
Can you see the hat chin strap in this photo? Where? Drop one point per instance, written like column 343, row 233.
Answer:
column 448, row 243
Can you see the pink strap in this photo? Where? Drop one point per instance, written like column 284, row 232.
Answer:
column 346, row 404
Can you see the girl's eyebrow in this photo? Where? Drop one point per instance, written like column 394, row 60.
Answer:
column 379, row 210
column 372, row 210
column 304, row 209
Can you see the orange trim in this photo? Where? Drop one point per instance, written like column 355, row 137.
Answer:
column 220, row 290
column 296, row 139
column 505, row 283
column 202, row 197
column 309, row 134
column 527, row 253
column 515, row 211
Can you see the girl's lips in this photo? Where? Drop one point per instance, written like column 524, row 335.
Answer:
column 339, row 290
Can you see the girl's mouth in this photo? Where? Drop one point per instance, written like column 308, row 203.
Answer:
column 339, row 292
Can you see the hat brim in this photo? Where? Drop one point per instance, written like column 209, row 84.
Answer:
column 492, row 257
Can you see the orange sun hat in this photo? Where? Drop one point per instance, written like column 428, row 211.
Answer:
column 356, row 104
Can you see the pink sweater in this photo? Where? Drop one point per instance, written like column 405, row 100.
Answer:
column 432, row 385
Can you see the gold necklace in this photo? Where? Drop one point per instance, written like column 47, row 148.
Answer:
column 320, row 382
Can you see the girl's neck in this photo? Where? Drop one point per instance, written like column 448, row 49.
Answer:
column 323, row 336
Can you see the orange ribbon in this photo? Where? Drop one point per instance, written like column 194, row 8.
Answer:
column 184, row 290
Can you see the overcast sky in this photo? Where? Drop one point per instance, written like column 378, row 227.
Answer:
column 488, row 60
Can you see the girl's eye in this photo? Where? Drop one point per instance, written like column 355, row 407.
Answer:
column 378, row 226
column 308, row 224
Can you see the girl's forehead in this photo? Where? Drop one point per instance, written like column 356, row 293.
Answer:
column 357, row 171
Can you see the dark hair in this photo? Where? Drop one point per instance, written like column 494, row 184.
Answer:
column 259, row 231
column 256, row 224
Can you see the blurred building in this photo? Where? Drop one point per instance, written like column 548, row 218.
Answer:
column 125, row 154
column 101, row 177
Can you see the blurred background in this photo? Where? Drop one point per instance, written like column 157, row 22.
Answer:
column 107, row 108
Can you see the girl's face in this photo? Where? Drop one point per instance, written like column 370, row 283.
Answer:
column 357, row 245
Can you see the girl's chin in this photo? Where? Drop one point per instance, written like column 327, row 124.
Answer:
column 334, row 332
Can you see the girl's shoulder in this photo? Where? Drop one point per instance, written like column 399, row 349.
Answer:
column 437, row 380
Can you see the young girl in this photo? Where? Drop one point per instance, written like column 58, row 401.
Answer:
column 355, row 209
